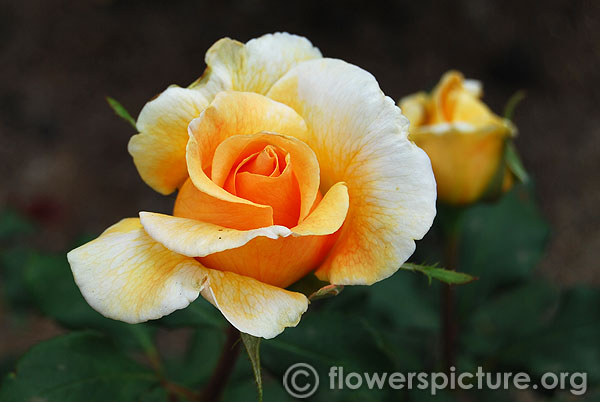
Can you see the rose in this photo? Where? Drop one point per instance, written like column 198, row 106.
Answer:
column 463, row 138
column 286, row 163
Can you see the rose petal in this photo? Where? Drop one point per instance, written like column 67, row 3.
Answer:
column 159, row 149
column 464, row 159
column 125, row 275
column 414, row 107
column 194, row 204
column 303, row 159
column 468, row 108
column 255, row 66
column 198, row 239
column 359, row 137
column 282, row 193
column 278, row 262
column 328, row 216
column 254, row 307
column 267, row 254
column 241, row 113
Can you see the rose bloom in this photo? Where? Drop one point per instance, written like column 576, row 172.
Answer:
column 285, row 163
column 463, row 137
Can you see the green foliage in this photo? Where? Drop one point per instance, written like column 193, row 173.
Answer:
column 81, row 366
column 12, row 225
column 13, row 229
column 443, row 275
column 501, row 244
column 513, row 102
column 252, row 345
column 514, row 163
column 121, row 111
column 51, row 286
column 509, row 320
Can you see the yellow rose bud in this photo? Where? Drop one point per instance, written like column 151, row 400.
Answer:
column 464, row 139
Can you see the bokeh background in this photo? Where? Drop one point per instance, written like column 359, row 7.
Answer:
column 64, row 162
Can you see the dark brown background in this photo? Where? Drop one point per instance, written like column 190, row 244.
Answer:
column 63, row 152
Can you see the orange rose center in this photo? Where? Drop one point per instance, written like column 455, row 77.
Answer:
column 266, row 177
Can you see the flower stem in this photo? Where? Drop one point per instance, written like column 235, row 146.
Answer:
column 451, row 226
column 231, row 350
column 449, row 319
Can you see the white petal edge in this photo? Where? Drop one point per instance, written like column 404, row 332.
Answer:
column 194, row 238
column 125, row 275
column 254, row 307
column 254, row 66
column 360, row 138
column 158, row 151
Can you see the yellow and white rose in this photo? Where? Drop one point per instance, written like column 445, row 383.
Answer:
column 286, row 163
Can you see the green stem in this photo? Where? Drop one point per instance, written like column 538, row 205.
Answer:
column 449, row 319
column 215, row 386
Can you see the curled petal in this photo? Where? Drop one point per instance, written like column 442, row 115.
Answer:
column 254, row 307
column 158, row 151
column 125, row 275
column 198, row 239
column 281, row 262
column 328, row 216
column 254, row 66
column 194, row 204
column 195, row 238
column 306, row 166
column 360, row 138
column 232, row 114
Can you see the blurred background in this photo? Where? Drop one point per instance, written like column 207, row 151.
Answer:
column 64, row 161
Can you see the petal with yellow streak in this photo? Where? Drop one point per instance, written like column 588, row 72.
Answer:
column 281, row 262
column 328, row 216
column 198, row 239
column 194, row 204
column 194, row 238
column 234, row 113
column 158, row 151
column 360, row 138
column 303, row 159
column 254, row 66
column 254, row 307
column 125, row 275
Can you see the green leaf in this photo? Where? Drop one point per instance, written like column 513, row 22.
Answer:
column 12, row 224
column 51, row 285
column 252, row 345
column 121, row 111
column 406, row 302
column 81, row 366
column 443, row 275
column 12, row 283
column 500, row 243
column 568, row 342
column 513, row 161
column 332, row 338
column 199, row 314
column 510, row 316
column 513, row 102
column 194, row 365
